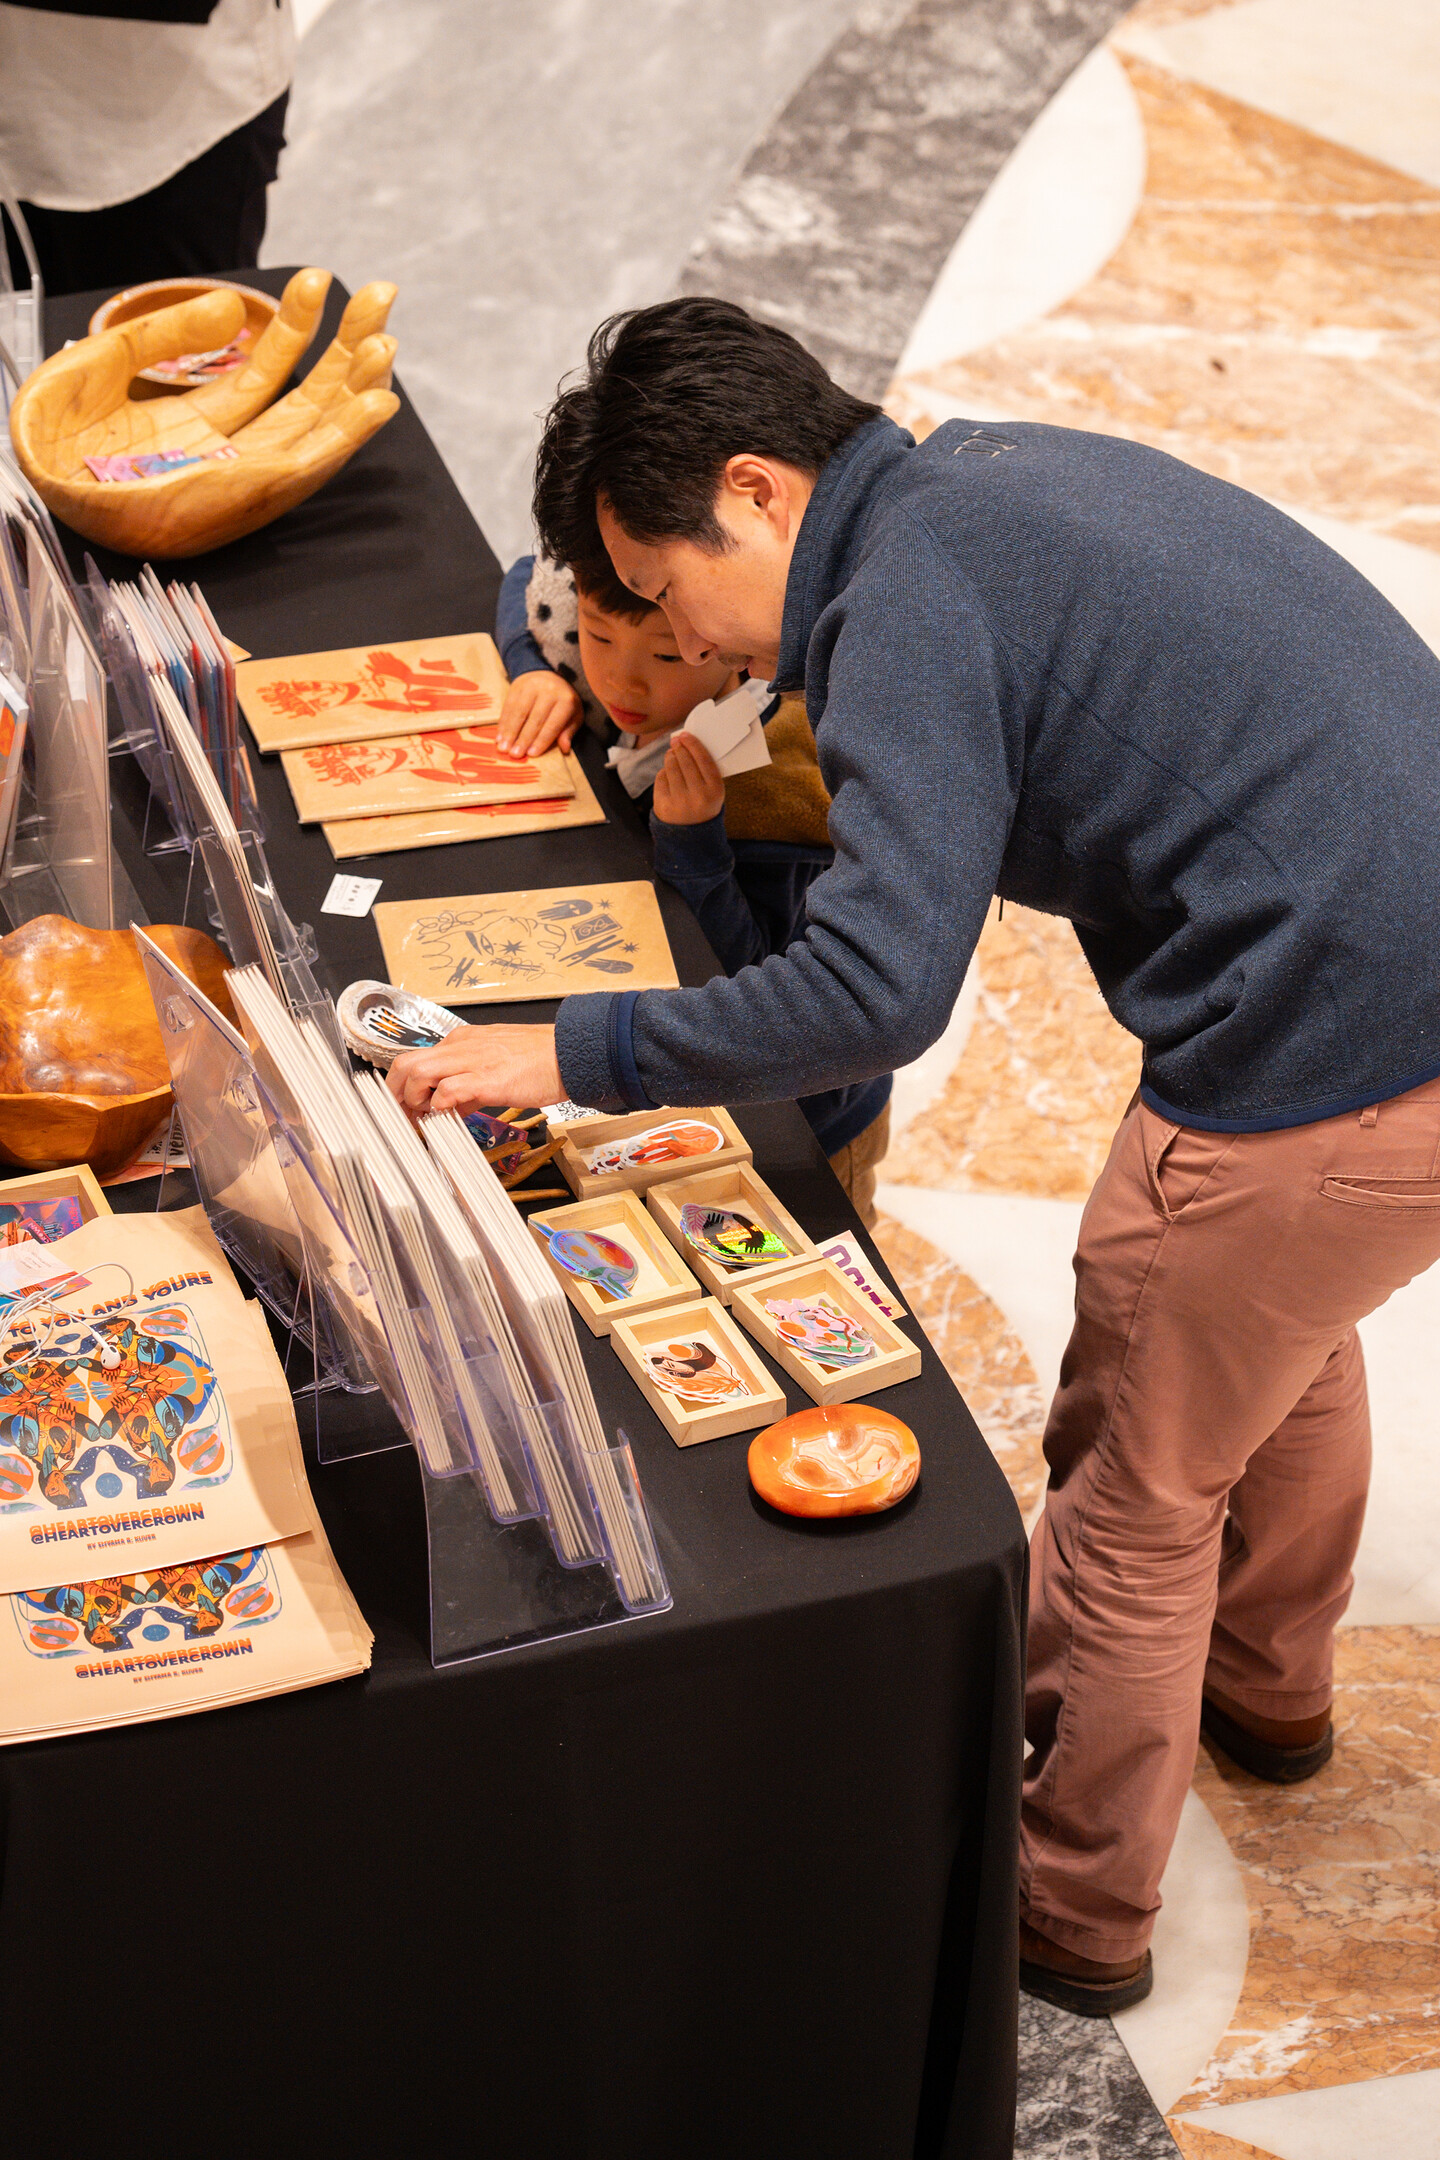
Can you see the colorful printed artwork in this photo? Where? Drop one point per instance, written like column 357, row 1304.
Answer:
column 502, row 946
column 95, row 1411
column 595, row 1258
column 153, row 464
column 194, row 368
column 817, row 1328
column 38, row 1222
column 371, row 690
column 194, row 1603
column 730, row 1237
column 673, row 1142
column 457, row 766
column 695, row 1371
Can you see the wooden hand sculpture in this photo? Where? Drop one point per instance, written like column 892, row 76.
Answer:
column 77, row 405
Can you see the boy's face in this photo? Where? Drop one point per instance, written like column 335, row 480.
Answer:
column 636, row 671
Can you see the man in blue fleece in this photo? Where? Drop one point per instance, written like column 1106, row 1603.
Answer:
column 1074, row 672
column 577, row 644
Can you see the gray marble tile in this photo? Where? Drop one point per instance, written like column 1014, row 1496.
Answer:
column 847, row 208
column 520, row 172
column 1080, row 2096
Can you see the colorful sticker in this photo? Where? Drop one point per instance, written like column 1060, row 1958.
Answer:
column 194, row 1603
column 817, row 1328
column 154, row 464
column 680, row 1139
column 694, row 1370
column 729, row 1237
column 595, row 1258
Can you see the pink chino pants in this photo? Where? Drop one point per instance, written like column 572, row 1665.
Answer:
column 1209, row 1452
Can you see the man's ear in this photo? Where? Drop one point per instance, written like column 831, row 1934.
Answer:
column 764, row 488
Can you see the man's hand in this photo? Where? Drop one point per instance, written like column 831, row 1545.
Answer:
column 688, row 787
column 540, row 710
column 478, row 1068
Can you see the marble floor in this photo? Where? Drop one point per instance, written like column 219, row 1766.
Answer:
column 1222, row 238
column 1210, row 225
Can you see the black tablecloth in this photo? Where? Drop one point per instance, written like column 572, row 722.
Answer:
column 735, row 1880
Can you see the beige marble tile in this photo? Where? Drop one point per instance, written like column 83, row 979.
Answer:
column 1272, row 316
column 1197, row 2144
column 1340, row 1873
column 1381, row 2118
column 1361, row 72
column 981, row 1351
column 1033, row 1102
column 1161, row 14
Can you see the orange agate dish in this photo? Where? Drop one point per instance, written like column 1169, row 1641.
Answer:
column 840, row 1459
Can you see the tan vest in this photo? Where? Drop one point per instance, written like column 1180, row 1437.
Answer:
column 786, row 799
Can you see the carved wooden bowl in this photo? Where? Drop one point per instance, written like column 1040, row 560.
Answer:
column 841, row 1459
column 123, row 307
column 235, row 458
column 83, row 1075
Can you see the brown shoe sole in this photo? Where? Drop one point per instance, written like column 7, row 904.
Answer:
column 1262, row 1758
column 1086, row 1998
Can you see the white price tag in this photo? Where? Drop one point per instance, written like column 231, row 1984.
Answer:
column 350, row 895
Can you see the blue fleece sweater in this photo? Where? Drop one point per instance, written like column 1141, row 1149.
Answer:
column 747, row 895
column 1076, row 672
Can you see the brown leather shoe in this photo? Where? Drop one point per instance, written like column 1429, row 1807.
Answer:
column 1084, row 1986
column 1282, row 1751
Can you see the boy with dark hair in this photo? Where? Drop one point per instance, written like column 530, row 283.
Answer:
column 1076, row 672
column 579, row 646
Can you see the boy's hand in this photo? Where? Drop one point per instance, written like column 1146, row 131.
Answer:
column 688, row 787
column 540, row 710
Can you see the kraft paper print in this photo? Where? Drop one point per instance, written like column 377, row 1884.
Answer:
column 409, row 773
column 499, row 947
column 371, row 690
column 160, row 1642
column 349, row 837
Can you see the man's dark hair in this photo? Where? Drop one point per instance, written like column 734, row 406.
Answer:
column 669, row 394
column 595, row 578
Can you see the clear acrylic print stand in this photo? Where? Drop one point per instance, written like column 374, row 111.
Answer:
column 496, row 1578
column 292, row 944
column 238, row 1178
column 139, row 730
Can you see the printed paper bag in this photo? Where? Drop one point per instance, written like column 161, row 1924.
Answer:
column 138, row 1426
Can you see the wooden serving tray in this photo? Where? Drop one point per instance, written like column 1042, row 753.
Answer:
column 587, row 1133
column 622, row 1217
column 737, row 1187
column 896, row 1357
column 688, row 1422
column 76, row 1183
